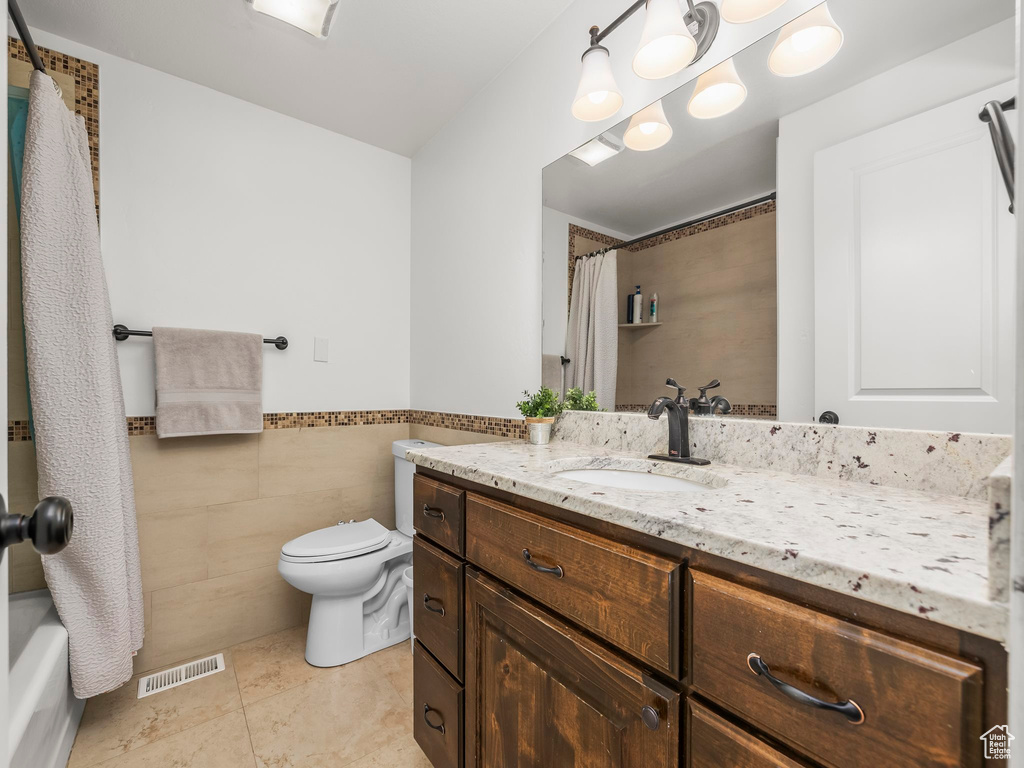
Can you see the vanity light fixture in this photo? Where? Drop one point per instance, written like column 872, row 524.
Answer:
column 596, row 151
column 806, row 43
column 648, row 129
column 598, row 97
column 743, row 11
column 670, row 42
column 718, row 92
column 666, row 45
column 312, row 16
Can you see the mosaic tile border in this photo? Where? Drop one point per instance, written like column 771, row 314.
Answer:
column 18, row 431
column 742, row 410
column 575, row 230
column 87, row 95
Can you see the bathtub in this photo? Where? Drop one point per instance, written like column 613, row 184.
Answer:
column 44, row 715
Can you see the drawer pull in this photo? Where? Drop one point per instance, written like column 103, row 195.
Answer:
column 555, row 571
column 427, row 600
column 848, row 709
column 429, row 511
column 649, row 716
column 426, row 711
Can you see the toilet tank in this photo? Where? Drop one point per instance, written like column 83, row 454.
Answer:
column 404, row 471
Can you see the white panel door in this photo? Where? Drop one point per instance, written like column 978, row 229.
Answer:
column 914, row 275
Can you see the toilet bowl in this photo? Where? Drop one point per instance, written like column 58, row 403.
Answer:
column 354, row 572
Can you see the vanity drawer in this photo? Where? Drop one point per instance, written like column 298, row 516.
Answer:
column 438, row 513
column 920, row 707
column 437, row 603
column 626, row 596
column 438, row 711
column 713, row 742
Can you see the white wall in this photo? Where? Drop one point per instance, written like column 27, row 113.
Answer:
column 216, row 213
column 978, row 61
column 555, row 274
column 476, row 267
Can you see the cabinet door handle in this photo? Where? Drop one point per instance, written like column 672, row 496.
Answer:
column 426, row 711
column 848, row 709
column 554, row 571
column 427, row 600
column 429, row 511
column 650, row 717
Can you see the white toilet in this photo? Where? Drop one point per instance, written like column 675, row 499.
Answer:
column 354, row 572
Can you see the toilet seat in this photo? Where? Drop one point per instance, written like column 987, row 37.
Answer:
column 339, row 542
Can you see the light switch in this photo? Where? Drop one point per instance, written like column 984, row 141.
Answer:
column 320, row 349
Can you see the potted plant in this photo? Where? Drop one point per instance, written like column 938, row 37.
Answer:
column 539, row 410
column 575, row 400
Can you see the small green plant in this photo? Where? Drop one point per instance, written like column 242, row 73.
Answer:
column 541, row 404
column 575, row 400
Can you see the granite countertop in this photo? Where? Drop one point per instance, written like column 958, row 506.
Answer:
column 921, row 553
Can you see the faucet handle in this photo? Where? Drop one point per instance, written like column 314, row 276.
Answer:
column 704, row 390
column 679, row 390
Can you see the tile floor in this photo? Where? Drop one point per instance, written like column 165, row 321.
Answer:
column 267, row 709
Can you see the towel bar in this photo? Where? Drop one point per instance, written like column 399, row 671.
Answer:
column 122, row 332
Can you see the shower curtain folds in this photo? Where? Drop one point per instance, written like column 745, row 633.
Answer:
column 592, row 338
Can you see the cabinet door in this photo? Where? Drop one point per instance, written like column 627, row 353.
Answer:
column 540, row 694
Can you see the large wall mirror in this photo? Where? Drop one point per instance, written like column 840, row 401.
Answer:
column 839, row 245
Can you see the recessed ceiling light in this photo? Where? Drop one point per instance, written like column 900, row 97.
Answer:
column 596, row 151
column 312, row 16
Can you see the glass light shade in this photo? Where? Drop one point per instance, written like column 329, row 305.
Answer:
column 742, row 11
column 719, row 91
column 648, row 129
column 806, row 43
column 666, row 45
column 312, row 16
column 598, row 97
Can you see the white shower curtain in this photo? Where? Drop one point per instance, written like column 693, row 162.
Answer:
column 77, row 407
column 592, row 339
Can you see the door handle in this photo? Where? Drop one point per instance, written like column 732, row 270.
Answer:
column 49, row 528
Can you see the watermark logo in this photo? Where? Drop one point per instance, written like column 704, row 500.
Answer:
column 997, row 742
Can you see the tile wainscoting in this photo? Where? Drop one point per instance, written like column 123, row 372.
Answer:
column 214, row 511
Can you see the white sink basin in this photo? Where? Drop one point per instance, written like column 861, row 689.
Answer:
column 631, row 480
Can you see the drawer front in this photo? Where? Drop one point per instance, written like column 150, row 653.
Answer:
column 712, row 742
column 437, row 719
column 626, row 596
column 920, row 707
column 438, row 513
column 437, row 603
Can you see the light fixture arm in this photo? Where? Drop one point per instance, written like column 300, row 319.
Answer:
column 702, row 20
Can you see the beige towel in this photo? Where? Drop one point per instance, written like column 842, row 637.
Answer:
column 207, row 382
column 81, row 435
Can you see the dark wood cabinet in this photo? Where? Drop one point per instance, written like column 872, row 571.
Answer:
column 438, row 711
column 714, row 742
column 540, row 694
column 437, row 603
column 438, row 513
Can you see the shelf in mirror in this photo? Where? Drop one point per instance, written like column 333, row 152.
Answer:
column 638, row 325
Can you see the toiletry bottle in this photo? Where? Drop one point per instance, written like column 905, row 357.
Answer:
column 638, row 306
column 629, row 308
column 652, row 315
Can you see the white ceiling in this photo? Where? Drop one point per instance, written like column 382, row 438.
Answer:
column 391, row 73
column 711, row 164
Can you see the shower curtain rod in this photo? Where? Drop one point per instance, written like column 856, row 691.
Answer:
column 25, row 35
column 684, row 225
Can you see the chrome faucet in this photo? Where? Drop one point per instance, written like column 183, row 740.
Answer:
column 678, row 427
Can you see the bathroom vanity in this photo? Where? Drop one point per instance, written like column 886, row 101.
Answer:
column 561, row 630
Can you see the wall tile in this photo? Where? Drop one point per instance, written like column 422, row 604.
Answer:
column 172, row 547
column 249, row 534
column 201, row 617
column 187, row 472
column 301, row 460
column 450, row 436
column 26, row 568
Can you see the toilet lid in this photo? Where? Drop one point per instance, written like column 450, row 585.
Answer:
column 339, row 540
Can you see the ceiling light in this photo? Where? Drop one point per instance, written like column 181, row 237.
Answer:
column 719, row 91
column 806, row 43
column 598, row 97
column 648, row 129
column 596, row 151
column 742, row 11
column 312, row 16
column 666, row 45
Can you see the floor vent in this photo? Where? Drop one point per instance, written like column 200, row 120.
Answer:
column 185, row 673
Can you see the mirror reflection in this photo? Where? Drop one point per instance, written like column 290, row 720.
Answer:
column 829, row 242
